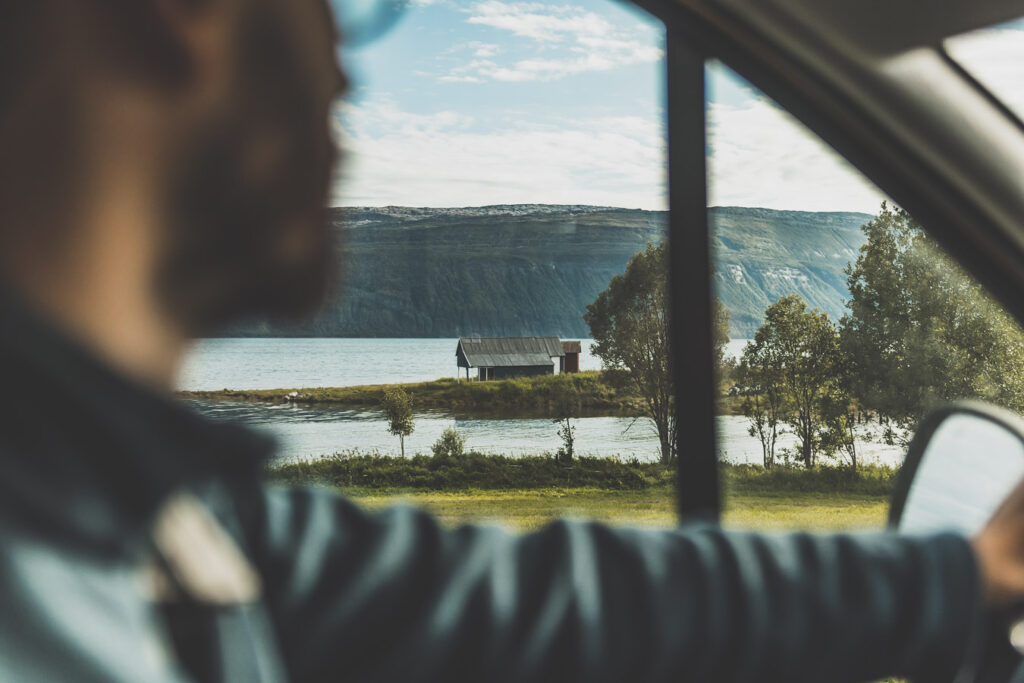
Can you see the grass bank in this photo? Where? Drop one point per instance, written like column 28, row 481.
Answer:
column 499, row 472
column 520, row 395
column 528, row 492
column 533, row 508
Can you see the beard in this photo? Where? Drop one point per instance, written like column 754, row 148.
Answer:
column 247, row 233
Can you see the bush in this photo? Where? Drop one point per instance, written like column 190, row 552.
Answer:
column 355, row 470
column 471, row 471
column 452, row 444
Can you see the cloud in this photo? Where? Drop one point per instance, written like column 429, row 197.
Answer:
column 545, row 23
column 758, row 156
column 762, row 156
column 581, row 41
column 441, row 159
column 483, row 50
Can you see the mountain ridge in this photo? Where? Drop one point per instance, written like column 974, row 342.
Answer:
column 514, row 269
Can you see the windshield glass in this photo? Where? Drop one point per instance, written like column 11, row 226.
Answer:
column 504, row 162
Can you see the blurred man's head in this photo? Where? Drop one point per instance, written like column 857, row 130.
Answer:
column 203, row 124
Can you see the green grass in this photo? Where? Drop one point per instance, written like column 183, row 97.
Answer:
column 533, row 508
column 477, row 471
column 472, row 471
column 521, row 395
column 526, row 493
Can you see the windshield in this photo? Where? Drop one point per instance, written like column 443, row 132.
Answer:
column 495, row 348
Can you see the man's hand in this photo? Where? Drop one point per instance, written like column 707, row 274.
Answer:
column 1000, row 551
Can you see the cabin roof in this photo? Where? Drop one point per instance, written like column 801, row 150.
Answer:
column 506, row 352
column 572, row 347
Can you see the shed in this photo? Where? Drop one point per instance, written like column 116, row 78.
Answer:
column 571, row 351
column 504, row 357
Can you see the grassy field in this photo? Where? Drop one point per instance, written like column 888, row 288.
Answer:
column 526, row 493
column 533, row 508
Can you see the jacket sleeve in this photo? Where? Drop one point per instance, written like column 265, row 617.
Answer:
column 392, row 596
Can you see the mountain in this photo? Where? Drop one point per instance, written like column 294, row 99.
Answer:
column 761, row 255
column 532, row 269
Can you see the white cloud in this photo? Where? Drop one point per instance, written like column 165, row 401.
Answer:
column 400, row 158
column 483, row 50
column 759, row 156
column 762, row 156
column 537, row 21
column 583, row 42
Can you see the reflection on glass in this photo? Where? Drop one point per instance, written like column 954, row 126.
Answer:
column 995, row 57
column 969, row 466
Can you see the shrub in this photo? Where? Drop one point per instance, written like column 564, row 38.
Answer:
column 452, row 444
column 358, row 470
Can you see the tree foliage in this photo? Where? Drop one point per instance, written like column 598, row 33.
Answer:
column 760, row 376
column 629, row 323
column 796, row 367
column 719, row 330
column 565, row 407
column 920, row 331
column 451, row 444
column 630, row 326
column 397, row 406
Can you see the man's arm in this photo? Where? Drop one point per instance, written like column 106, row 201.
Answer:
column 392, row 596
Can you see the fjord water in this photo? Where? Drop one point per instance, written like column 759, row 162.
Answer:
column 313, row 431
column 268, row 363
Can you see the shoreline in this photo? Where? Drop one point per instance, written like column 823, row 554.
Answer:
column 474, row 488
column 483, row 471
column 520, row 397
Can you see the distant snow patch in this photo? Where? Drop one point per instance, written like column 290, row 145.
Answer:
column 787, row 274
column 736, row 273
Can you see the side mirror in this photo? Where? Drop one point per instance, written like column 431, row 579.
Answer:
column 963, row 461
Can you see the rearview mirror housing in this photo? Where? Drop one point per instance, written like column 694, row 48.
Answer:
column 962, row 463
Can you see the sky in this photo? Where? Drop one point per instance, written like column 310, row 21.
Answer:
column 467, row 103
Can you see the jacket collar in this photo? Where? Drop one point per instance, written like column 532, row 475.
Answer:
column 89, row 453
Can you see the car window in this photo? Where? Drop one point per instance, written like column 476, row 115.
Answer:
column 847, row 323
column 995, row 57
column 504, row 164
column 497, row 340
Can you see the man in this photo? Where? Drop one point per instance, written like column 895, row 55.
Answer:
column 163, row 171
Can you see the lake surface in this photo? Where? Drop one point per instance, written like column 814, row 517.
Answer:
column 215, row 364
column 313, row 431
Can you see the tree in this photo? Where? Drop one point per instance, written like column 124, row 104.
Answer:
column 719, row 330
column 398, row 406
column 798, row 351
column 451, row 444
column 837, row 437
column 919, row 331
column 629, row 323
column 759, row 375
column 565, row 407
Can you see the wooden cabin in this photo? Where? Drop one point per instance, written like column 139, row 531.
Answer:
column 571, row 351
column 505, row 357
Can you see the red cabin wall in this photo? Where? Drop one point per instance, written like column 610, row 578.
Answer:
column 572, row 362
